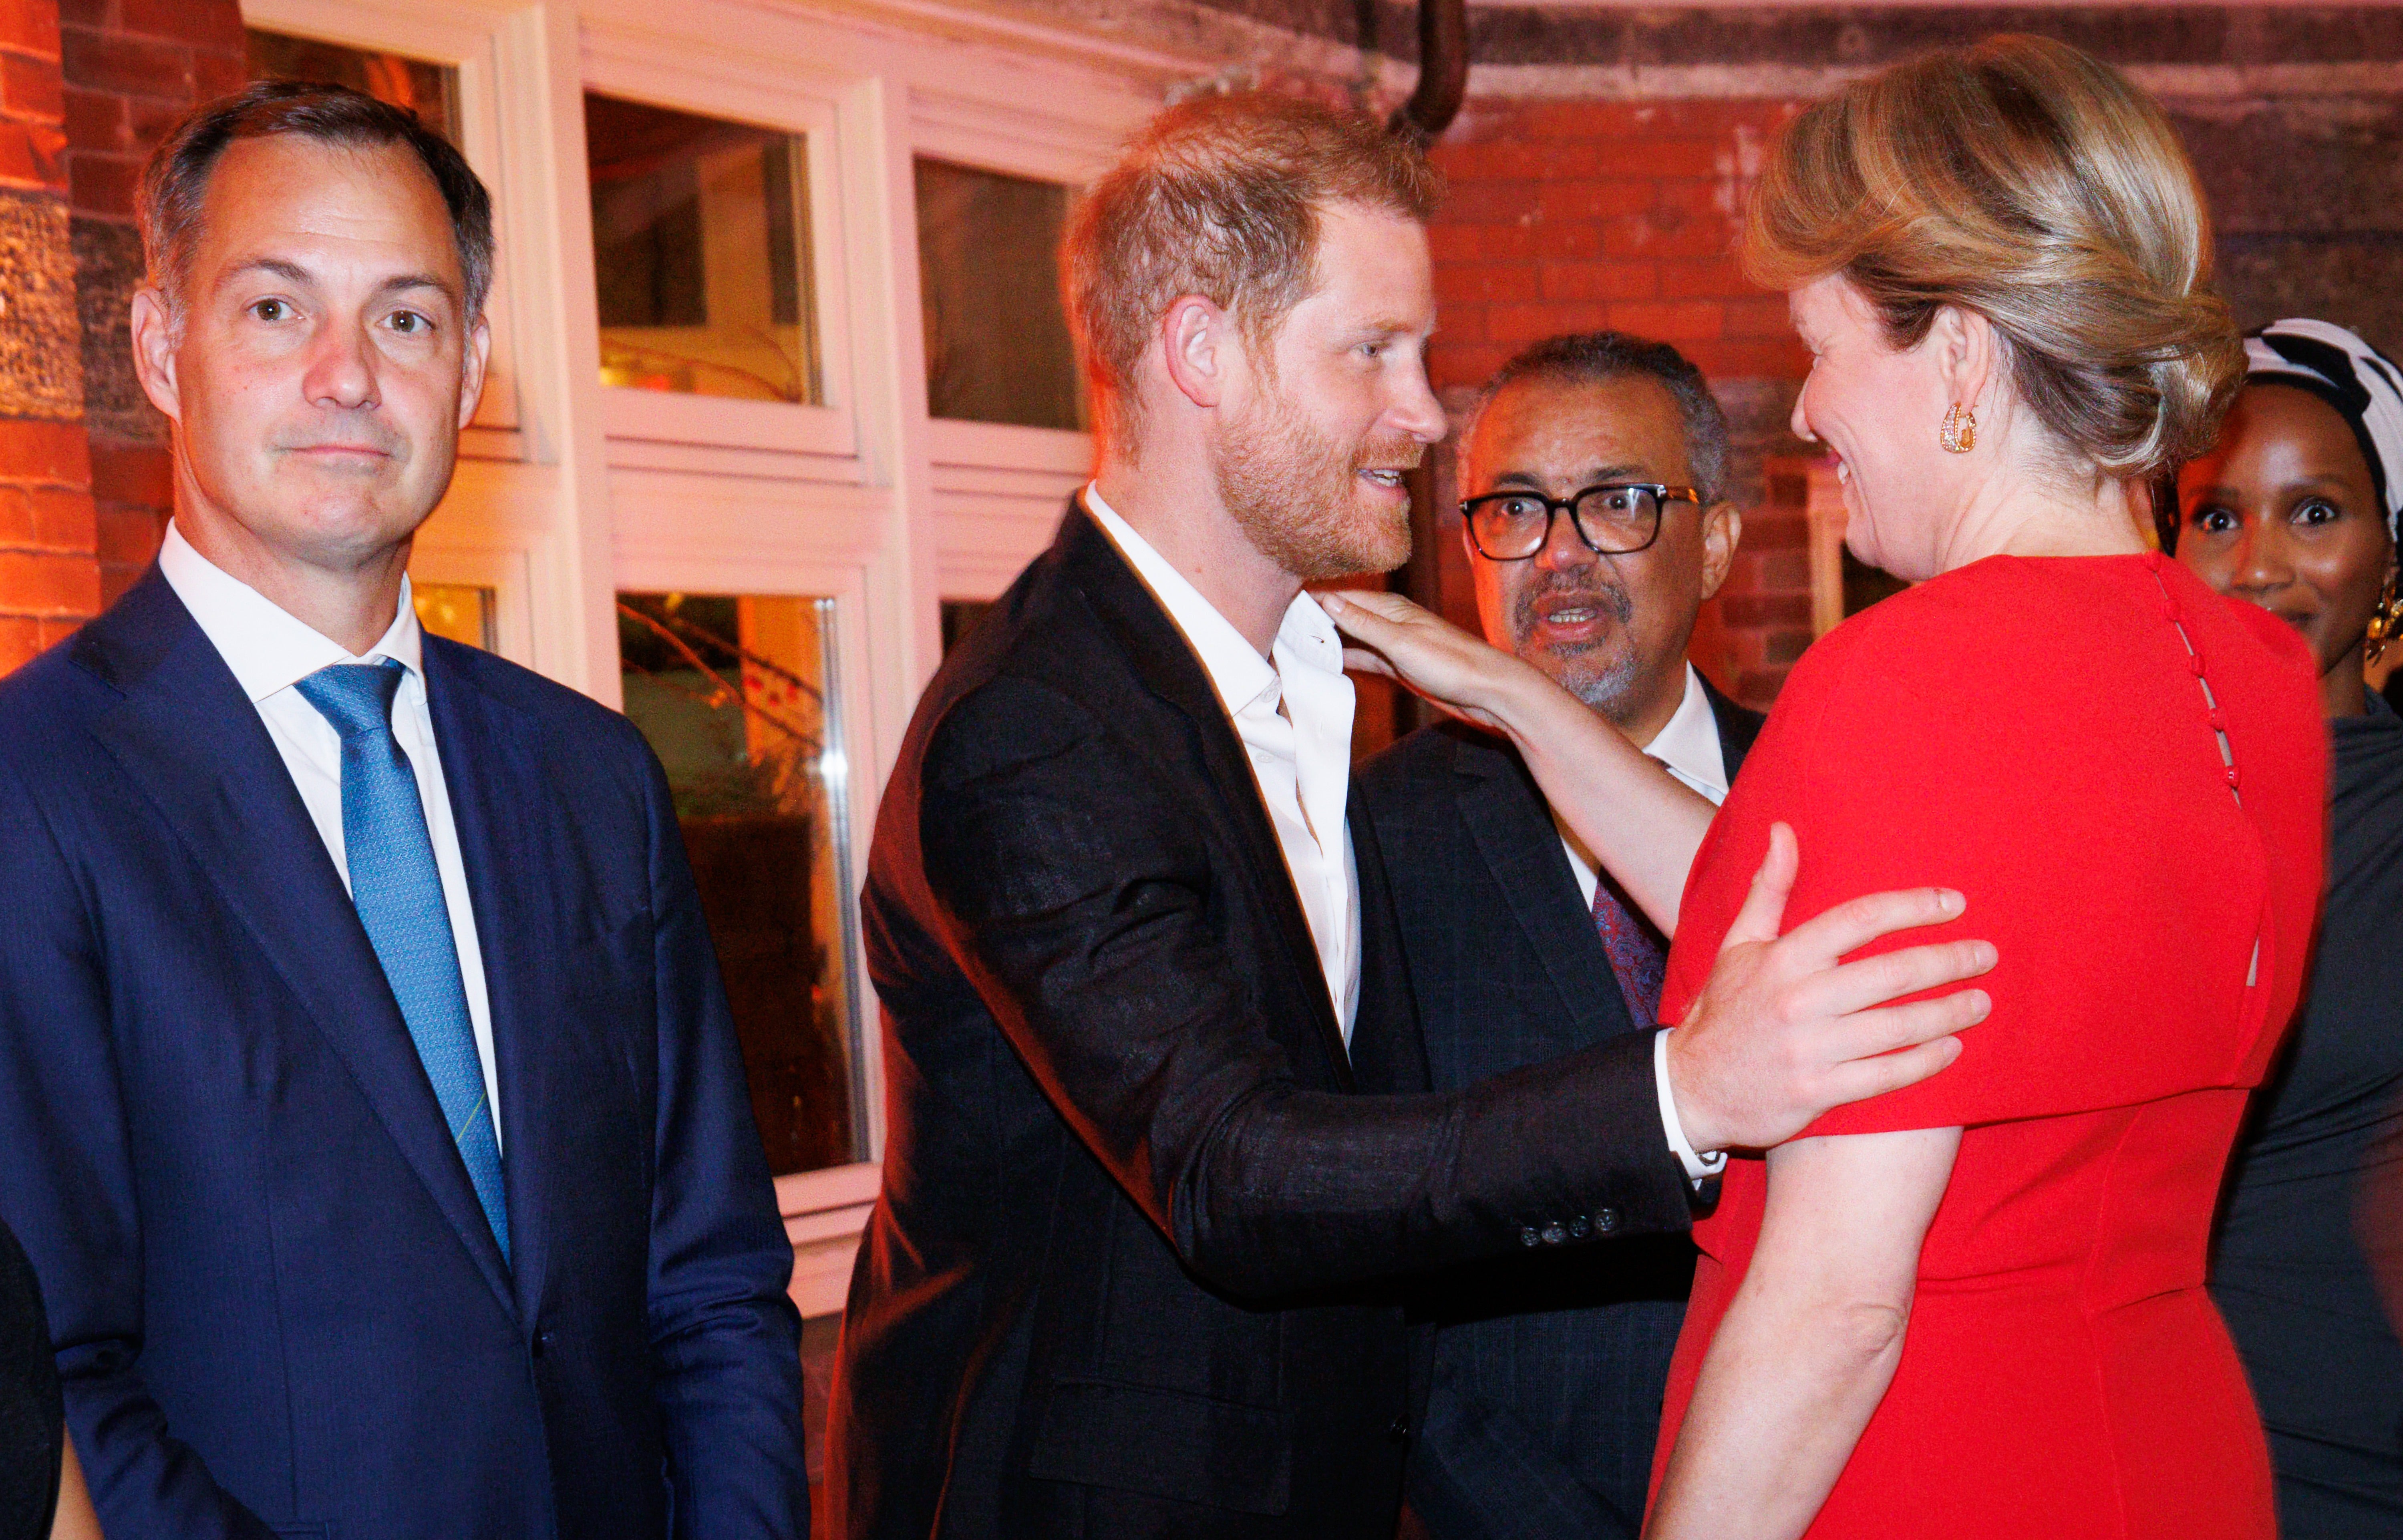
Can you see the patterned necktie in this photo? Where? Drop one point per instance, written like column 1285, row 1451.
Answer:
column 397, row 889
column 1635, row 955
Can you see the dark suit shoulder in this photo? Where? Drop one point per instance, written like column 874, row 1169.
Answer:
column 553, row 707
column 1427, row 761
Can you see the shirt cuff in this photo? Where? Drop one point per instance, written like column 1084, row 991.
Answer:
column 1699, row 1167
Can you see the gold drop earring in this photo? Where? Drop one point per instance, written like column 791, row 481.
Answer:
column 2385, row 622
column 1960, row 431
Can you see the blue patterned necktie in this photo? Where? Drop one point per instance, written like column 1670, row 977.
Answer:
column 1635, row 956
column 397, row 889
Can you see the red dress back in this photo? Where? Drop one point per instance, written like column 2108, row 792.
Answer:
column 2036, row 734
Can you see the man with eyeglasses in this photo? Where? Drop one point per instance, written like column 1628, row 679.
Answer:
column 1592, row 469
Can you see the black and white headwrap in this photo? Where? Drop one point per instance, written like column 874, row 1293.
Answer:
column 2360, row 382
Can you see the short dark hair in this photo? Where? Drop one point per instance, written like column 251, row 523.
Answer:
column 175, row 183
column 1592, row 357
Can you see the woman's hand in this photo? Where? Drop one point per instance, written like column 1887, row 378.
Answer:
column 1388, row 635
column 1639, row 820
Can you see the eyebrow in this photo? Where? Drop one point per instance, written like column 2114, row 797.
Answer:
column 292, row 272
column 1601, row 476
column 2300, row 483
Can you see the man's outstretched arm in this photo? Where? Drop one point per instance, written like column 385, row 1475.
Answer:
column 1076, row 895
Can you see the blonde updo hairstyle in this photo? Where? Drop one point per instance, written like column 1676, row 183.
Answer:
column 2034, row 185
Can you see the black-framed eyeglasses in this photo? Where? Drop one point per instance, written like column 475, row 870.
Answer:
column 1616, row 519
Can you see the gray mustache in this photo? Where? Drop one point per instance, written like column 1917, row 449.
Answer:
column 1612, row 601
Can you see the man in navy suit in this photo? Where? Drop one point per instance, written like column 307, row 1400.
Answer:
column 370, row 1103
column 1546, row 1395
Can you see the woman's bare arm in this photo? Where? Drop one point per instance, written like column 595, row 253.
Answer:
column 1639, row 820
column 75, row 1518
column 1807, row 1350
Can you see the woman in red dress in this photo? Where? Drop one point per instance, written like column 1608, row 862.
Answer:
column 1976, row 1307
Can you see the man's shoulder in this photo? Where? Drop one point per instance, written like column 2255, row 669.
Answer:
column 47, row 708
column 1432, row 762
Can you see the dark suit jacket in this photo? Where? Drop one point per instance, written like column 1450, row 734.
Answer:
column 1548, row 1379
column 1122, row 1277
column 277, row 1306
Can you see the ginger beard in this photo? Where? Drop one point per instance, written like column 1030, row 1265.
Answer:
column 1298, row 493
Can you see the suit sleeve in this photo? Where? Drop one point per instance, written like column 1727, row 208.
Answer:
column 725, row 1336
column 62, row 1116
column 1074, row 892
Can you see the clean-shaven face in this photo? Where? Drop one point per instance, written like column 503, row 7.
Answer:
column 2281, row 513
column 326, row 361
column 1876, row 411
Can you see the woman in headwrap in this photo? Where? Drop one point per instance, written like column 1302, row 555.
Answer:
column 2295, row 509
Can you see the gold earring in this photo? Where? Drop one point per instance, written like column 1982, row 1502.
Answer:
column 2385, row 622
column 1960, row 433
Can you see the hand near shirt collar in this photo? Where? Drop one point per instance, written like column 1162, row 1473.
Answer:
column 1784, row 1031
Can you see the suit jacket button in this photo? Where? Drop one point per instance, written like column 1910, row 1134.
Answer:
column 1605, row 1220
column 1555, row 1234
column 543, row 1339
column 1527, row 1237
column 1400, row 1429
column 1580, row 1227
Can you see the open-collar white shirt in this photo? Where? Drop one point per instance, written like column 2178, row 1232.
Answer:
column 270, row 652
column 1293, row 712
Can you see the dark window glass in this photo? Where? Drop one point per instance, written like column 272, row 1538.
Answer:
column 701, row 252
column 733, row 692
column 997, row 347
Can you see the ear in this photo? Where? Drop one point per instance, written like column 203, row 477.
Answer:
column 1201, row 350
column 478, row 358
column 1968, row 354
column 1722, row 529
column 154, row 351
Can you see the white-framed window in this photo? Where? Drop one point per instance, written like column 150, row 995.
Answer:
column 781, row 384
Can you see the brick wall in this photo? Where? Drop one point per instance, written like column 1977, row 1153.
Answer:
column 130, row 68
column 49, row 574
column 1575, row 215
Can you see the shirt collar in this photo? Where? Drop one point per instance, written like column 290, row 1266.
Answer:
column 1689, row 744
column 1240, row 675
column 266, row 648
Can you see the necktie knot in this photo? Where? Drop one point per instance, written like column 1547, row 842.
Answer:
column 357, row 698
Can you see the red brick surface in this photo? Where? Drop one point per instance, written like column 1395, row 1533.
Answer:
column 1567, row 216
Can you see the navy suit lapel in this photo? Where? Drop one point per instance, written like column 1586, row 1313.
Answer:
column 184, row 733
column 497, row 790
column 1513, row 832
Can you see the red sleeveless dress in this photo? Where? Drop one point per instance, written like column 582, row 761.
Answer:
column 2035, row 733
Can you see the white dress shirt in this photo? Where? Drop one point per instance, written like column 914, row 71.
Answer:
column 1688, row 746
column 1293, row 711
column 269, row 653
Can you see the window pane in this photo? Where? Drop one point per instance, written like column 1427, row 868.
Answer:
column 997, row 347
column 733, row 693
column 430, row 90
column 460, row 611
column 700, row 246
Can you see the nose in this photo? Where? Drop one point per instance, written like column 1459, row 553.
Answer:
column 1563, row 548
column 1417, row 412
column 2261, row 563
column 342, row 367
column 1800, row 421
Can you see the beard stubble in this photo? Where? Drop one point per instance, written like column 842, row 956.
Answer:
column 1291, row 489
